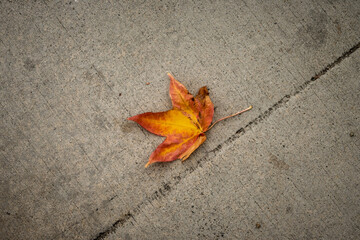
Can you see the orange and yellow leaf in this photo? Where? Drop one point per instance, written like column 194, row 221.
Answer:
column 184, row 126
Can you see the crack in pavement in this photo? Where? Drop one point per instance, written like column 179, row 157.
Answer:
column 114, row 226
column 167, row 187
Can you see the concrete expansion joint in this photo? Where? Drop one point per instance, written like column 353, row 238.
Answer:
column 114, row 226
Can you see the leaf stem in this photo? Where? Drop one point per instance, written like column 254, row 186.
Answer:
column 229, row 117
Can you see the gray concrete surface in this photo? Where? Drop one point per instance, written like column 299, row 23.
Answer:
column 72, row 165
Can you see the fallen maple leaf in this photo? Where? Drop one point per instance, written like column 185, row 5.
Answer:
column 184, row 126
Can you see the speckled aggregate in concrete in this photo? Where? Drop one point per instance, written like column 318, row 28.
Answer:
column 71, row 72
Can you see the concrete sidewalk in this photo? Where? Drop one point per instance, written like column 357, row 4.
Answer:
column 72, row 165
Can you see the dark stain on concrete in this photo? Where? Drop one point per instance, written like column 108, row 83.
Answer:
column 313, row 34
column 29, row 64
column 278, row 163
column 338, row 26
column 127, row 237
column 128, row 126
column 289, row 209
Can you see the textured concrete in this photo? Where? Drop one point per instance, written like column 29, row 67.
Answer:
column 72, row 165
